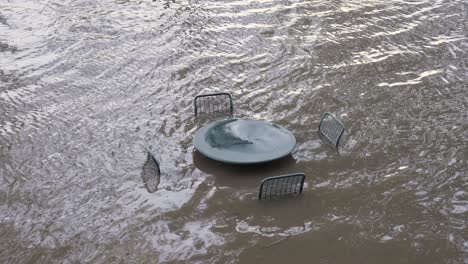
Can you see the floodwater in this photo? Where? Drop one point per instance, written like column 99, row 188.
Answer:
column 86, row 87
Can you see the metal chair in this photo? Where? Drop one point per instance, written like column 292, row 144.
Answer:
column 213, row 104
column 281, row 186
column 151, row 173
column 331, row 128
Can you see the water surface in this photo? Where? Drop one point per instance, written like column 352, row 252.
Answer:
column 86, row 87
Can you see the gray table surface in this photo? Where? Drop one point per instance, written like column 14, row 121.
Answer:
column 244, row 141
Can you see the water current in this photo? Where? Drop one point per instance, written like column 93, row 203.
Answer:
column 86, row 87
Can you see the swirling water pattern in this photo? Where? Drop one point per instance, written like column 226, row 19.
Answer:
column 87, row 86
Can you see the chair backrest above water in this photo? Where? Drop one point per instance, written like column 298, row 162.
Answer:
column 212, row 104
column 331, row 128
column 151, row 173
column 281, row 186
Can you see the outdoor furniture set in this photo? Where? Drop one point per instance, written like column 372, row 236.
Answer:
column 246, row 141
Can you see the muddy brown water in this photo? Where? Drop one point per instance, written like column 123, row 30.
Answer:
column 87, row 86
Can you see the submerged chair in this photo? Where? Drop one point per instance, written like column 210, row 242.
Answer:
column 151, row 173
column 213, row 104
column 331, row 128
column 281, row 186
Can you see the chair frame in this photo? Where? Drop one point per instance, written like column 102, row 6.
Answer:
column 325, row 115
column 231, row 107
column 158, row 167
column 282, row 193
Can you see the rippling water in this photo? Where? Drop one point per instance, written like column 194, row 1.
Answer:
column 86, row 87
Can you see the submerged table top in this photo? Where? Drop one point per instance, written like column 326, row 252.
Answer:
column 241, row 141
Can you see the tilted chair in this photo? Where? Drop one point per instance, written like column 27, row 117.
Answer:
column 331, row 128
column 151, row 173
column 281, row 186
column 213, row 104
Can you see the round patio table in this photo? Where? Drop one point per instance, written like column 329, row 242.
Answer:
column 244, row 141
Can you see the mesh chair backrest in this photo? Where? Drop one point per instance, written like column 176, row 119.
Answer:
column 151, row 173
column 212, row 104
column 281, row 186
column 331, row 128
